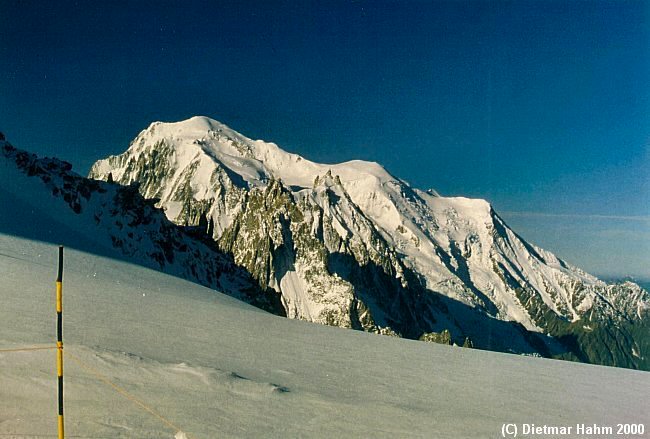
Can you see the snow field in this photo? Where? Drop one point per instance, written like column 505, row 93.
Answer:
column 216, row 367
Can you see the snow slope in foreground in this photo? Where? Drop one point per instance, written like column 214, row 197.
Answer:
column 216, row 367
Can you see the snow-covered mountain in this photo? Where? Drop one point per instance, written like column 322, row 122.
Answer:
column 115, row 221
column 213, row 366
column 208, row 365
column 351, row 245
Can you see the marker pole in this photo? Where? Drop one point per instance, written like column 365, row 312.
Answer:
column 59, row 338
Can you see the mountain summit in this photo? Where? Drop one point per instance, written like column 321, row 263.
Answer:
column 351, row 245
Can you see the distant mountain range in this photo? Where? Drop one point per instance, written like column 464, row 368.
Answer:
column 348, row 245
column 642, row 282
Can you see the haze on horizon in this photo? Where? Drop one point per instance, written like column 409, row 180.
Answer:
column 540, row 107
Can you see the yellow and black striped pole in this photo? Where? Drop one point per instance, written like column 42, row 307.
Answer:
column 59, row 337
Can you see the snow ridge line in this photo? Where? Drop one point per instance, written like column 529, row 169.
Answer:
column 103, row 378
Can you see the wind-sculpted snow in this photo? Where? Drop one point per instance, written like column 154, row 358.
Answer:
column 216, row 367
column 351, row 245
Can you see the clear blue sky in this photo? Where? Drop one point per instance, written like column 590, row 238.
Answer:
column 541, row 107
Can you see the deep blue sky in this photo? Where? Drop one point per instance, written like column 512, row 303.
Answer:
column 541, row 107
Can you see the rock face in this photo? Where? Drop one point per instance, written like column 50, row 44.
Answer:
column 114, row 217
column 351, row 245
